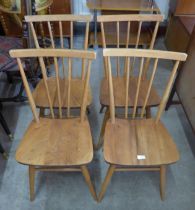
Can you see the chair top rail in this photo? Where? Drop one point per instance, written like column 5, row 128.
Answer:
column 131, row 17
column 113, row 52
column 65, row 17
column 24, row 53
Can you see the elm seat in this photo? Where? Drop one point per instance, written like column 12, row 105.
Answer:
column 125, row 139
column 77, row 87
column 145, row 38
column 119, row 92
column 56, row 142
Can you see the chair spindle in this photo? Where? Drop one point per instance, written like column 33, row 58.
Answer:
column 138, row 88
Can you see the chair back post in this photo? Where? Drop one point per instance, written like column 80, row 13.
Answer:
column 167, row 91
column 147, row 63
column 69, row 86
column 141, row 54
column 127, row 86
column 118, row 45
column 62, row 45
column 28, row 92
column 149, row 87
column 104, row 46
column 44, row 73
column 138, row 87
column 85, row 48
column 85, row 93
column 111, row 92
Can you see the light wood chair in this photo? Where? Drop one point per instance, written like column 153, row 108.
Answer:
column 45, row 23
column 127, row 37
column 138, row 144
column 54, row 143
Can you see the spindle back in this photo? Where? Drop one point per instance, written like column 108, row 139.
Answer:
column 63, row 87
column 126, row 35
column 134, row 95
column 46, row 21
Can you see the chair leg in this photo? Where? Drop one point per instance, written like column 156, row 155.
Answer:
column 86, row 175
column 101, row 137
column 148, row 112
column 162, row 181
column 106, row 181
column 42, row 112
column 32, row 181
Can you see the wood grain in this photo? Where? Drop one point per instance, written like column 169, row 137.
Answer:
column 145, row 53
column 185, row 7
column 22, row 53
column 125, row 139
column 56, row 142
column 40, row 96
column 58, row 17
column 119, row 93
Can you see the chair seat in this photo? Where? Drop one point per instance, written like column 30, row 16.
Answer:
column 119, row 92
column 125, row 139
column 56, row 142
column 77, row 87
column 145, row 37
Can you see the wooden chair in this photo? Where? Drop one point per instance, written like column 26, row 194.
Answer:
column 46, row 22
column 54, row 143
column 139, row 144
column 125, row 36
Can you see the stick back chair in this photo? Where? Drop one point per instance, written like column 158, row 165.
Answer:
column 139, row 144
column 141, row 38
column 56, row 143
column 77, row 84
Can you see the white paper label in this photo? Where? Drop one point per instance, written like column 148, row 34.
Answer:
column 141, row 157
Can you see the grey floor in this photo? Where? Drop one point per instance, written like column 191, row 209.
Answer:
column 127, row 190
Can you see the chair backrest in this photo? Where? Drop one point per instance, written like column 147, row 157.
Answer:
column 129, row 54
column 40, row 54
column 46, row 21
column 134, row 31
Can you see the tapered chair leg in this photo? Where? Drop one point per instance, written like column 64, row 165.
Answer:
column 106, row 182
column 32, row 181
column 101, row 138
column 162, row 181
column 86, row 175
